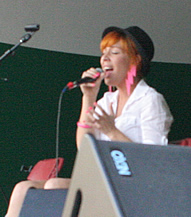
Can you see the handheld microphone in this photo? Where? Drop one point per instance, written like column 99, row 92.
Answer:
column 85, row 80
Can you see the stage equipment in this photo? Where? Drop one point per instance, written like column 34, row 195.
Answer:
column 43, row 203
column 118, row 179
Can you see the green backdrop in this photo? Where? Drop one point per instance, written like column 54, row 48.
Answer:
column 29, row 103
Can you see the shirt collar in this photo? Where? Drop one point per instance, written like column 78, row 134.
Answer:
column 140, row 90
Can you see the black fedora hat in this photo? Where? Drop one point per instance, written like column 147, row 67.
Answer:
column 142, row 40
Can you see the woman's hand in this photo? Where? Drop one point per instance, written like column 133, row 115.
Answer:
column 105, row 123
column 102, row 121
column 92, row 89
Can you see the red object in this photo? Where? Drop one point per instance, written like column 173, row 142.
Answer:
column 70, row 85
column 45, row 169
column 186, row 142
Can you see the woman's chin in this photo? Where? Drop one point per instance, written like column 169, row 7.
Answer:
column 108, row 82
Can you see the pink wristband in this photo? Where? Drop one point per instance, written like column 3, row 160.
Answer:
column 83, row 125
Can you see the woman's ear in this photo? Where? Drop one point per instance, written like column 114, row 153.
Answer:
column 138, row 59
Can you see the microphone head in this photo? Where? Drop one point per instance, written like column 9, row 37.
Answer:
column 99, row 70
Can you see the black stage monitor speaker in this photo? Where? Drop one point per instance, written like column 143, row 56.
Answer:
column 115, row 179
column 43, row 203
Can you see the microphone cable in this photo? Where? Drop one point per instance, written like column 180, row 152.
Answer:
column 58, row 127
column 69, row 86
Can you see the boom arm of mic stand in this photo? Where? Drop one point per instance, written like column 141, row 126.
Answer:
column 24, row 39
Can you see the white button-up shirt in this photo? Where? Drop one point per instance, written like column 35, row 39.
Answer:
column 145, row 118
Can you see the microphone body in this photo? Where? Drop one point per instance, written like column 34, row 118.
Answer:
column 85, row 80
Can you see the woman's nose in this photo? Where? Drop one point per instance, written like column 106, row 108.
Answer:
column 105, row 57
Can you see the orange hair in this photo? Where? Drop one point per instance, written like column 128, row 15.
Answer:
column 127, row 45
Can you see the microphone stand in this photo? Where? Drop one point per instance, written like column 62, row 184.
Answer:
column 30, row 29
column 24, row 39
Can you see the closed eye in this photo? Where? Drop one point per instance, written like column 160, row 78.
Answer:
column 115, row 52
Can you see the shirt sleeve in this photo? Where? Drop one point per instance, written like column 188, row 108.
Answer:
column 156, row 120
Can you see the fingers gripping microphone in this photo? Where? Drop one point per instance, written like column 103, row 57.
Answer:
column 85, row 80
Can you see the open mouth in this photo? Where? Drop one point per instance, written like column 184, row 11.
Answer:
column 107, row 71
